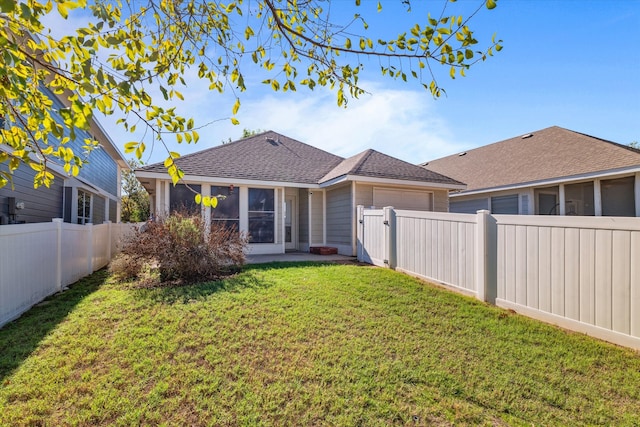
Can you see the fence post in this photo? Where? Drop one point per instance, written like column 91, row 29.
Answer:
column 486, row 256
column 389, row 236
column 109, row 231
column 360, row 231
column 90, row 249
column 58, row 224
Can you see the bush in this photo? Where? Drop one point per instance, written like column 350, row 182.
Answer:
column 180, row 249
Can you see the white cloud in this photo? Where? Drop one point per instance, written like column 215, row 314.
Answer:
column 401, row 123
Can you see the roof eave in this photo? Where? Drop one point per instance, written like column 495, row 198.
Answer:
column 225, row 180
column 550, row 181
column 392, row 181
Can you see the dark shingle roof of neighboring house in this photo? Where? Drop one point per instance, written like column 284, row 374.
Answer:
column 269, row 156
column 371, row 163
column 549, row 153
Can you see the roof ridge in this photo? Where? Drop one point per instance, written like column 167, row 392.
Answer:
column 365, row 155
column 617, row 144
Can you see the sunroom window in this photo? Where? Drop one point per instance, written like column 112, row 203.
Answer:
column 227, row 212
column 261, row 215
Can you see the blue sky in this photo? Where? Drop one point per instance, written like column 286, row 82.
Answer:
column 570, row 63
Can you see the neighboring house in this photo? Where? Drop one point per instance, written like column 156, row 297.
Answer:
column 91, row 197
column 291, row 196
column 553, row 171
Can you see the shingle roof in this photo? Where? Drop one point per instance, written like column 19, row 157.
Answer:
column 270, row 156
column 549, row 153
column 267, row 156
column 371, row 163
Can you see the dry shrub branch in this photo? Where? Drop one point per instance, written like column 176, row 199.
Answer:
column 181, row 249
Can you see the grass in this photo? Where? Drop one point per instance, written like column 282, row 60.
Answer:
column 303, row 344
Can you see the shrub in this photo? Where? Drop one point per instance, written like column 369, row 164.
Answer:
column 180, row 249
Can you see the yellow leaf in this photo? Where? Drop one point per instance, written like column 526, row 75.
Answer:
column 236, row 106
column 235, row 121
column 214, row 202
column 198, row 198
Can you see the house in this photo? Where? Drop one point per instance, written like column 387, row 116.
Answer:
column 291, row 196
column 91, row 197
column 552, row 171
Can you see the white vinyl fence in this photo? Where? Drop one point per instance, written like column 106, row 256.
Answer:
column 582, row 273
column 38, row 260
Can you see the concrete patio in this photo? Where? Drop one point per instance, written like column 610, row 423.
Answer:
column 298, row 257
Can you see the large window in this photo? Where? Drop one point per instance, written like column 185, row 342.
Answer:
column 84, row 207
column 579, row 199
column 618, row 197
column 182, row 198
column 227, row 212
column 261, row 215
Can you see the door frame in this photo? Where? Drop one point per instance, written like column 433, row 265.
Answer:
column 293, row 200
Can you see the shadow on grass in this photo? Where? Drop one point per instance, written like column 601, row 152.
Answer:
column 181, row 294
column 18, row 339
column 302, row 264
column 251, row 277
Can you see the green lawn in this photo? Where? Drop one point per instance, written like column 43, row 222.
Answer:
column 303, row 344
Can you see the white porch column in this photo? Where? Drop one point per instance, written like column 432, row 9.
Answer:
column 205, row 190
column 562, row 200
column 310, row 202
column 243, row 194
column 324, row 218
column 597, row 198
column 167, row 196
column 158, row 198
column 355, row 218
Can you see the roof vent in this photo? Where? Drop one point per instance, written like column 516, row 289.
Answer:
column 464, row 153
column 272, row 141
column 529, row 135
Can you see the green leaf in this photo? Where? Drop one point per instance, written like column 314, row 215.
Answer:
column 8, row 6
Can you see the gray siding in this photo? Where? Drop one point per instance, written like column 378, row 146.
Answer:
column 68, row 195
column 113, row 211
column 441, row 200
column 339, row 224
column 100, row 170
column 303, row 216
column 40, row 205
column 98, row 213
column 317, row 220
column 470, row 206
column 507, row 205
column 364, row 195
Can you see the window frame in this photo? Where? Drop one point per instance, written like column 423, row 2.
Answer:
column 263, row 215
